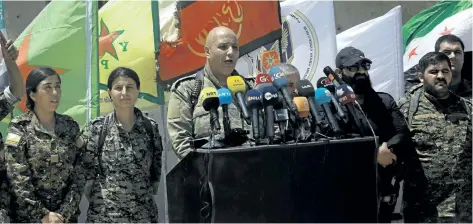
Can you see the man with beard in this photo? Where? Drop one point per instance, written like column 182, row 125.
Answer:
column 386, row 120
column 441, row 126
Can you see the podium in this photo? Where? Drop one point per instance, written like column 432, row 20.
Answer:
column 324, row 181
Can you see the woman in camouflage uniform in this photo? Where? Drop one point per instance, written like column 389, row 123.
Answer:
column 126, row 161
column 42, row 153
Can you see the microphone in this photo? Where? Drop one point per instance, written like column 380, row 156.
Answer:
column 281, row 116
column 347, row 98
column 281, row 84
column 276, row 72
column 237, row 85
column 263, row 80
column 306, row 89
column 211, row 102
column 333, row 77
column 326, row 83
column 280, row 113
column 270, row 98
column 225, row 98
column 303, row 107
column 255, row 104
column 322, row 97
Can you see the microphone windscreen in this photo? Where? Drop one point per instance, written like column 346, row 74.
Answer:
column 280, row 82
column 302, row 105
column 209, row 98
column 305, row 88
column 323, row 82
column 224, row 96
column 322, row 95
column 345, row 94
column 263, row 78
column 275, row 72
column 261, row 86
column 253, row 99
column 270, row 96
column 236, row 84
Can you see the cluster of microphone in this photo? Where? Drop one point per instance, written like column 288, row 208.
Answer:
column 327, row 111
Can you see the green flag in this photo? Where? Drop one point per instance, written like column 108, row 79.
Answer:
column 422, row 31
column 64, row 37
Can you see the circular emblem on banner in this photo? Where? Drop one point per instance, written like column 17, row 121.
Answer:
column 300, row 45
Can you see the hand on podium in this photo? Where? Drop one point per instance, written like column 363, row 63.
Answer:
column 385, row 156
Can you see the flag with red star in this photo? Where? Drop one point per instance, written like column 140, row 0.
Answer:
column 128, row 38
column 422, row 31
column 64, row 42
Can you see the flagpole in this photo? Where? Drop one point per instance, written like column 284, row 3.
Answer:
column 162, row 105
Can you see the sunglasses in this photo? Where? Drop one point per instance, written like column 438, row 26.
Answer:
column 358, row 66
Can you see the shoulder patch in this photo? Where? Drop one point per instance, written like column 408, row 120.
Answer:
column 181, row 80
column 13, row 139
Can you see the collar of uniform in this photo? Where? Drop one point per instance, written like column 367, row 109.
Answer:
column 138, row 122
column 209, row 74
column 39, row 128
column 451, row 102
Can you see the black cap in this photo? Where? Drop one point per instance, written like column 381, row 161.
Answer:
column 349, row 56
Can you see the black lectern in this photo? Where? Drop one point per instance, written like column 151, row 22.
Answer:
column 325, row 181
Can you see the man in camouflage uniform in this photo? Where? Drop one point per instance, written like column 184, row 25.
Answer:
column 440, row 123
column 186, row 123
column 8, row 98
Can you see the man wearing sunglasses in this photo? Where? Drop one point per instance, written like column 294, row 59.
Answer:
column 386, row 120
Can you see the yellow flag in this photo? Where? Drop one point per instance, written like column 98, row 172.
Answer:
column 127, row 39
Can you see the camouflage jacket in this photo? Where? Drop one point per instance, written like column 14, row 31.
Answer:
column 6, row 104
column 182, row 123
column 124, row 193
column 41, row 167
column 442, row 138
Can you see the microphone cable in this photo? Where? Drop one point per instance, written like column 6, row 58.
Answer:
column 376, row 142
column 208, row 209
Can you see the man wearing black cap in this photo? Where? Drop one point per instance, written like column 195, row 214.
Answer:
column 386, row 120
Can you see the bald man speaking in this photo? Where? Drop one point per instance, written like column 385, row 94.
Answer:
column 187, row 119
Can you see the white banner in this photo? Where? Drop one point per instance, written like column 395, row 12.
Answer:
column 308, row 41
column 381, row 41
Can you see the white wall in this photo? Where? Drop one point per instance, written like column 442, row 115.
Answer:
column 352, row 13
column 19, row 14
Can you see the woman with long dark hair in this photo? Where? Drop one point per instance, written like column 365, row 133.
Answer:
column 42, row 153
column 126, row 150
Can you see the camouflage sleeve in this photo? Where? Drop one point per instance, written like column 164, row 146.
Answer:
column 5, row 106
column 76, row 181
column 179, row 121
column 4, row 194
column 404, row 104
column 90, row 137
column 157, row 154
column 19, row 176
